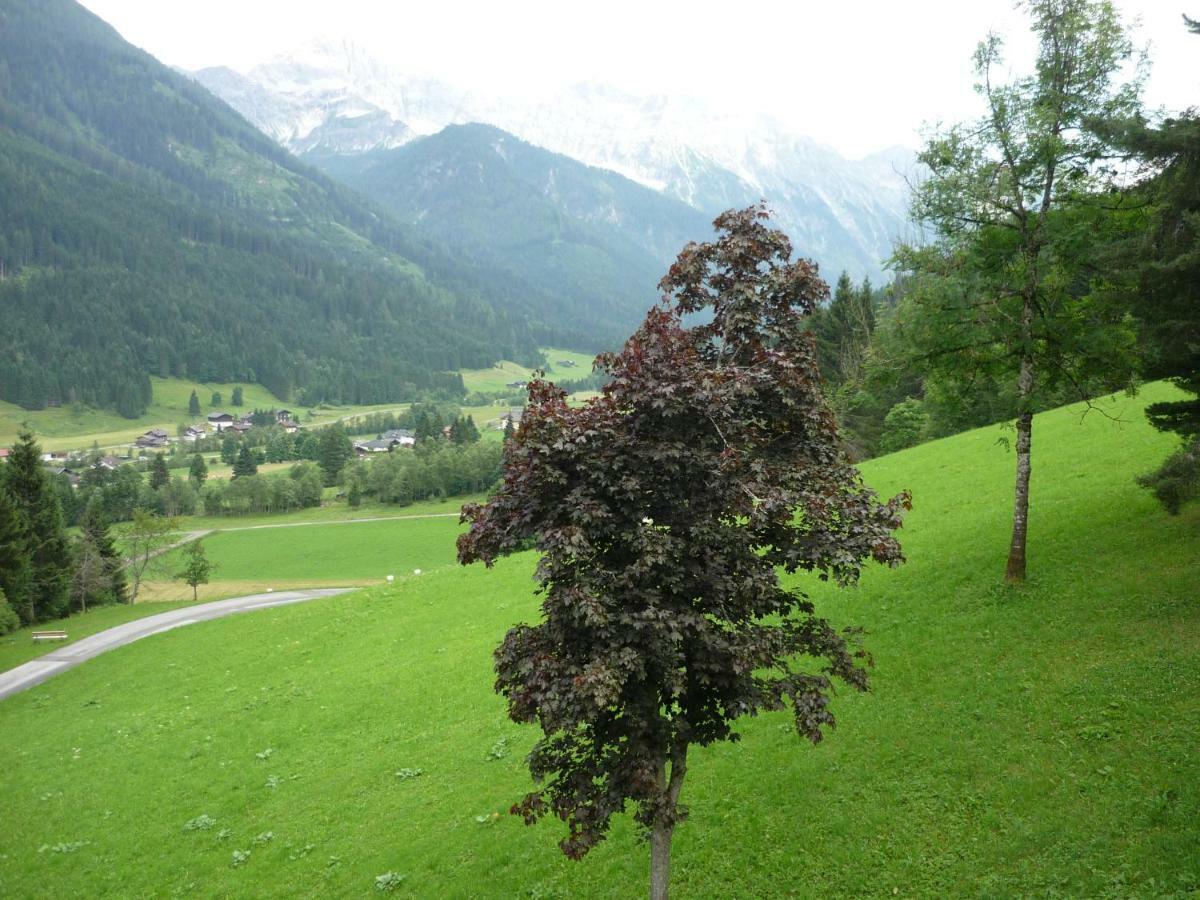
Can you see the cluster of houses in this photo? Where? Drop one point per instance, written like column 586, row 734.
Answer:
column 217, row 423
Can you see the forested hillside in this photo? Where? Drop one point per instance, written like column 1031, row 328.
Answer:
column 586, row 236
column 145, row 228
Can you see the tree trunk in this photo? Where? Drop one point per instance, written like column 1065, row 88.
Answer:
column 1014, row 572
column 664, row 825
column 660, row 860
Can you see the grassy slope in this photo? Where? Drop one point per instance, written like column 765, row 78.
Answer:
column 498, row 377
column 1018, row 742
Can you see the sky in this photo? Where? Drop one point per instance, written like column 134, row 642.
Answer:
column 859, row 75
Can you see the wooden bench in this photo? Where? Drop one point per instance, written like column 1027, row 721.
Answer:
column 49, row 635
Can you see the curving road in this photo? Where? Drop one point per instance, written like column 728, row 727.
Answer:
column 71, row 655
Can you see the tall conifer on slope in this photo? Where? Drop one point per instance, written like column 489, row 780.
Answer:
column 42, row 523
column 16, row 568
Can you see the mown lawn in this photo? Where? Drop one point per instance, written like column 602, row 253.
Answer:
column 323, row 554
column 1039, row 741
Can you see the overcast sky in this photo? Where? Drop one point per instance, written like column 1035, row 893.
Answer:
column 860, row 75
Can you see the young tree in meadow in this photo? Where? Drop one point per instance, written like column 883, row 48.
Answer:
column 144, row 543
column 1005, row 291
column 197, row 567
column 193, row 404
column 236, row 399
column 663, row 510
column 215, row 400
column 245, row 463
column 41, row 523
column 197, row 471
column 159, row 476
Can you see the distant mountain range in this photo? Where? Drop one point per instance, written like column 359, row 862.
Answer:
column 331, row 99
column 146, row 228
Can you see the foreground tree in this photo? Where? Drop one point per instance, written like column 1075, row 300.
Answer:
column 196, row 567
column 193, row 404
column 99, row 569
column 1005, row 292
column 144, row 542
column 1163, row 266
column 662, row 510
column 41, row 523
column 16, row 567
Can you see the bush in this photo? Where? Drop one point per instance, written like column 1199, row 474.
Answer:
column 9, row 621
column 903, row 426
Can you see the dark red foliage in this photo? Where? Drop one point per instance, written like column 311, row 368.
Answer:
column 663, row 510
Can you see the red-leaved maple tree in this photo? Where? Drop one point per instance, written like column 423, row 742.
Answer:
column 663, row 511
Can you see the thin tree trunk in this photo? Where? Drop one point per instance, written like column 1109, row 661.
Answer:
column 664, row 826
column 1014, row 572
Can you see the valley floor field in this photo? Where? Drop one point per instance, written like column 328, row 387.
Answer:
column 1033, row 741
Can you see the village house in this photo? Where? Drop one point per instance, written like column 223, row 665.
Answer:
column 107, row 462
column 402, row 436
column 363, row 448
column 513, row 415
column 154, row 438
column 218, row 422
column 4, row 454
column 194, row 433
column 289, row 426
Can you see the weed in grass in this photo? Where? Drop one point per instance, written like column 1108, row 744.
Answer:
column 273, row 781
column 239, row 858
column 409, row 773
column 488, row 818
column 299, row 853
column 202, row 822
column 388, row 881
column 266, row 754
column 499, row 749
column 264, row 838
column 224, row 834
column 68, row 847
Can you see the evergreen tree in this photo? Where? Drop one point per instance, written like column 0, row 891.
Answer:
column 159, row 476
column 196, row 567
column 215, row 400
column 197, row 471
column 193, row 404
column 41, row 521
column 9, row 620
column 245, row 464
column 333, row 452
column 95, row 527
column 237, row 396
column 509, row 431
column 16, row 567
column 472, row 430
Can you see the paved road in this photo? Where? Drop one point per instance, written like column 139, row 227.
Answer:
column 71, row 655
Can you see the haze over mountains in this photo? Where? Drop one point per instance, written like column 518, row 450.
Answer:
column 331, row 99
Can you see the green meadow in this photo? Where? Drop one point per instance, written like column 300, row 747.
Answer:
column 498, row 376
column 1034, row 741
